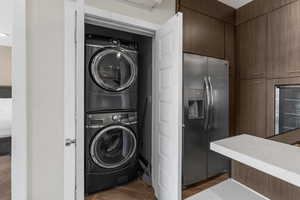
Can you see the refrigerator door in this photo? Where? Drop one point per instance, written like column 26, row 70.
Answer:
column 218, row 126
column 196, row 100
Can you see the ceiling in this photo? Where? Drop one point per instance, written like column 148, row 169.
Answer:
column 6, row 16
column 235, row 3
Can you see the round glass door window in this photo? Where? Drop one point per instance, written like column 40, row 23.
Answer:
column 113, row 146
column 113, row 69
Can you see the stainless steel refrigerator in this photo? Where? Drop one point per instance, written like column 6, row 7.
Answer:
column 206, row 116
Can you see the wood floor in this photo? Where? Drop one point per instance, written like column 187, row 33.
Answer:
column 5, row 179
column 138, row 190
column 203, row 186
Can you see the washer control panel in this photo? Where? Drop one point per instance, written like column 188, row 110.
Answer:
column 104, row 119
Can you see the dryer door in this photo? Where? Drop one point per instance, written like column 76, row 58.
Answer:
column 113, row 146
column 113, row 69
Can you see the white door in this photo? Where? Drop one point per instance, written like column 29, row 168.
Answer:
column 167, row 141
column 70, row 107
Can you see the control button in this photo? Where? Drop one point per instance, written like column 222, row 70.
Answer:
column 115, row 117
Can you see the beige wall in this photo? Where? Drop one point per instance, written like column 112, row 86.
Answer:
column 158, row 15
column 5, row 66
column 45, row 57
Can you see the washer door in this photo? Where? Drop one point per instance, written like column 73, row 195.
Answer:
column 113, row 146
column 113, row 69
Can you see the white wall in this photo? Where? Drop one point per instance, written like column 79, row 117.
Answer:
column 157, row 15
column 45, row 69
column 6, row 21
column 45, row 63
column 5, row 66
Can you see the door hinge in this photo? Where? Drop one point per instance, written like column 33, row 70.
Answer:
column 69, row 142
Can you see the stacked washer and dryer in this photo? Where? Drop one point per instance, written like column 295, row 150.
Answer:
column 111, row 119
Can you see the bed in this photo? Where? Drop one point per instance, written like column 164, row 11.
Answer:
column 5, row 120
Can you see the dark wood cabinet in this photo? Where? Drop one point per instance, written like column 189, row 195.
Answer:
column 258, row 8
column 230, row 56
column 252, row 48
column 268, row 54
column 230, row 47
column 269, row 186
column 212, row 8
column 284, row 42
column 279, row 3
column 250, row 177
column 203, row 35
column 251, row 10
column 251, row 115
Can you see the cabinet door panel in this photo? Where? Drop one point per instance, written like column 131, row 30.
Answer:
column 250, row 177
column 279, row 3
column 257, row 8
column 203, row 35
column 212, row 8
column 252, row 107
column 284, row 42
column 264, row 184
column 230, row 47
column 230, row 56
column 252, row 44
column 253, row 9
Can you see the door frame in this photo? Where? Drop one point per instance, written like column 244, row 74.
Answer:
column 109, row 20
column 19, row 169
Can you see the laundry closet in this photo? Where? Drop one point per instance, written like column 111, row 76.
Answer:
column 118, row 108
column 128, row 106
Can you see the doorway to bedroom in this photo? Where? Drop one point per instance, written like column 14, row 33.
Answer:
column 5, row 122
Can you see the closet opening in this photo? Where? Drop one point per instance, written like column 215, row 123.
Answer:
column 118, row 114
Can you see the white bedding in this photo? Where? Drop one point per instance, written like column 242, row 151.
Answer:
column 5, row 117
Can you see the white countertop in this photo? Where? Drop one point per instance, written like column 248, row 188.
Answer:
column 274, row 158
column 228, row 190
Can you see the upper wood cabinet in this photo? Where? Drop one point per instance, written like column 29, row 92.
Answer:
column 230, row 47
column 252, row 10
column 284, row 42
column 251, row 48
column 251, row 113
column 203, row 35
column 257, row 8
column 212, row 8
column 279, row 3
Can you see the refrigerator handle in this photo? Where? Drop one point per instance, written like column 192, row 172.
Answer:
column 207, row 110
column 210, row 121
